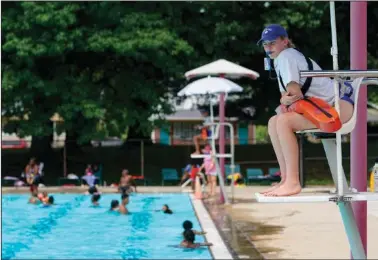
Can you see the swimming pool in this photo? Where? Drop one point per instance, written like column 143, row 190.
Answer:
column 73, row 229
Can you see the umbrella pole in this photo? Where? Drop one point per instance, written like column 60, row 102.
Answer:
column 222, row 137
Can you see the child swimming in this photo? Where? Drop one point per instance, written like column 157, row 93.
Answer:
column 95, row 198
column 189, row 238
column 188, row 225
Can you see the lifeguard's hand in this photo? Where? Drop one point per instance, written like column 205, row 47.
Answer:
column 288, row 100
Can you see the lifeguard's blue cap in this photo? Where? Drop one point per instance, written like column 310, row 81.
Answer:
column 272, row 32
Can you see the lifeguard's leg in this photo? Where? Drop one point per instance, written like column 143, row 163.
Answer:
column 287, row 124
column 346, row 111
column 273, row 133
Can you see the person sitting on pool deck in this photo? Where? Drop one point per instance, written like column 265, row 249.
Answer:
column 124, row 202
column 186, row 174
column 189, row 238
column 95, row 198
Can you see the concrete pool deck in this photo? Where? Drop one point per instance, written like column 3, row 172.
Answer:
column 278, row 231
column 219, row 249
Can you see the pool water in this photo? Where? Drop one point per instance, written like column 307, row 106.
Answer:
column 74, row 229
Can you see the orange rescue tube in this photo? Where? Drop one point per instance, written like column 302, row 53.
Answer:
column 319, row 112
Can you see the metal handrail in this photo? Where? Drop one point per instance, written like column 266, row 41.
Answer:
column 339, row 73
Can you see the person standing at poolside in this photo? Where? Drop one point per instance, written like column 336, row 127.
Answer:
column 125, row 182
column 32, row 176
column 210, row 170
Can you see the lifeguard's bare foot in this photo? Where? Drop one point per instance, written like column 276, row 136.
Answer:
column 285, row 190
column 272, row 188
column 195, row 153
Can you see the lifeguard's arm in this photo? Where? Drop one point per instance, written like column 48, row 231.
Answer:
column 289, row 70
column 293, row 93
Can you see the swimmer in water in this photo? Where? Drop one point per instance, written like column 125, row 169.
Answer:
column 49, row 201
column 189, row 238
column 114, row 205
column 43, row 197
column 124, row 202
column 188, row 225
column 165, row 209
column 34, row 198
column 95, row 198
column 92, row 190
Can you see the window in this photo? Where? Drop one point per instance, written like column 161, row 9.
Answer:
column 184, row 130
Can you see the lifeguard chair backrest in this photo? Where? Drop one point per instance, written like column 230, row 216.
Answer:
column 349, row 126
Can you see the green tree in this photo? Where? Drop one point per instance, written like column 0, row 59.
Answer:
column 106, row 67
column 102, row 66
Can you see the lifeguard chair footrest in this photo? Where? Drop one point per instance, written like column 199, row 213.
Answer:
column 315, row 197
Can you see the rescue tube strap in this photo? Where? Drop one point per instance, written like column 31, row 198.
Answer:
column 318, row 107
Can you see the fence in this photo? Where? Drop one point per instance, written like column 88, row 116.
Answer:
column 143, row 157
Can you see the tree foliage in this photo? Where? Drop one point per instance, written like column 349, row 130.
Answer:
column 106, row 67
column 102, row 66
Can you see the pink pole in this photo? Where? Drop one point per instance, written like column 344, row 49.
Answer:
column 222, row 137
column 358, row 146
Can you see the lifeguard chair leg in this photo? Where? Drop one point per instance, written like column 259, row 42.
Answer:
column 351, row 230
column 330, row 151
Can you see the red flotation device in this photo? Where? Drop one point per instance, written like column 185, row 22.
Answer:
column 319, row 112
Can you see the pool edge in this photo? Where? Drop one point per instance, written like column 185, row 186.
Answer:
column 219, row 250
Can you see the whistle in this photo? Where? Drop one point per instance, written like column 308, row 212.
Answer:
column 267, row 64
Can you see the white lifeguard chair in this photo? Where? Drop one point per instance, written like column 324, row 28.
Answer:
column 343, row 195
column 214, row 86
